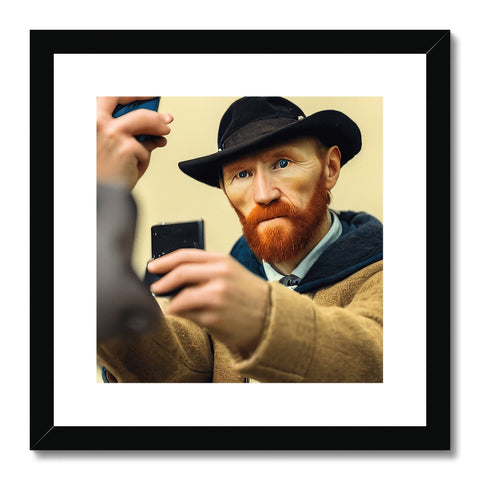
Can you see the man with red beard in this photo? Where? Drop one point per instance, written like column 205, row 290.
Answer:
column 299, row 299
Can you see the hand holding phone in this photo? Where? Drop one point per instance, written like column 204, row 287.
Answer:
column 168, row 237
column 120, row 158
column 151, row 104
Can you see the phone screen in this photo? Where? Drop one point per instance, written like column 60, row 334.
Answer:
column 167, row 237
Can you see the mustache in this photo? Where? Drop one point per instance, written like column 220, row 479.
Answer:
column 260, row 213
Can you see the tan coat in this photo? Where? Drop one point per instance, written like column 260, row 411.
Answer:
column 334, row 335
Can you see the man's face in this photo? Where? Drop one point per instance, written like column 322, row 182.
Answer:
column 280, row 197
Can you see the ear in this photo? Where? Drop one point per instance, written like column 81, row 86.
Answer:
column 332, row 167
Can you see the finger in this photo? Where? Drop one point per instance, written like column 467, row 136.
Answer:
column 106, row 104
column 138, row 153
column 142, row 166
column 184, row 255
column 154, row 142
column 193, row 303
column 188, row 274
column 144, row 121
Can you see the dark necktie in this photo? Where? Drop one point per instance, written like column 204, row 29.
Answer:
column 290, row 280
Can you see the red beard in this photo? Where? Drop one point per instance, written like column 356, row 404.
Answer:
column 275, row 243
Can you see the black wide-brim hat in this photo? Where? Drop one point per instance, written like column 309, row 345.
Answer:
column 254, row 123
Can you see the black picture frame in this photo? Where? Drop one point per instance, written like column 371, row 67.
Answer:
column 435, row 46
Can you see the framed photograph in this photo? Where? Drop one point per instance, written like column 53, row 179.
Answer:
column 400, row 80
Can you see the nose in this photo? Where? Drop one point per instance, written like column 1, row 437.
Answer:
column 264, row 189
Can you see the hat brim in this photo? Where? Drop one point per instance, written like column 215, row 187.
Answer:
column 331, row 127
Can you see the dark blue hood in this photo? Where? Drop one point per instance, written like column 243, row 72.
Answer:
column 359, row 245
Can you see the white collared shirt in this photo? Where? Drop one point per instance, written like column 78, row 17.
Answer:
column 304, row 266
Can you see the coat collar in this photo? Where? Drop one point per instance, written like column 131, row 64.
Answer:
column 359, row 245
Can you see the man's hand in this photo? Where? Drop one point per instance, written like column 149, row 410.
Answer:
column 121, row 158
column 218, row 294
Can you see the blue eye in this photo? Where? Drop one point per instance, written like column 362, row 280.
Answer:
column 283, row 163
column 242, row 174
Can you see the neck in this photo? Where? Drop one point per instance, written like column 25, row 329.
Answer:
column 288, row 266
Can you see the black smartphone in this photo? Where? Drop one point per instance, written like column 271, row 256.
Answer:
column 150, row 104
column 168, row 237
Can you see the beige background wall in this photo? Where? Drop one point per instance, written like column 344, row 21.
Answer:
column 165, row 194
